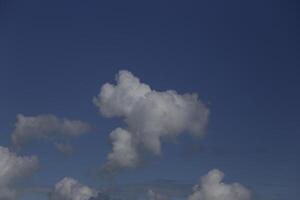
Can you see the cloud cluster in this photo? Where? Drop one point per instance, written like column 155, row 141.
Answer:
column 150, row 117
column 71, row 189
column 29, row 128
column 212, row 188
column 13, row 168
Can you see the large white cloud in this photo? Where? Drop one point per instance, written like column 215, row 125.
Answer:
column 150, row 115
column 71, row 189
column 28, row 128
column 211, row 187
column 13, row 168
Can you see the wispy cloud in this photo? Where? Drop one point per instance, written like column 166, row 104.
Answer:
column 28, row 128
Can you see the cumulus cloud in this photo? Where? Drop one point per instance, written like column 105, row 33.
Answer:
column 150, row 117
column 211, row 187
column 28, row 128
column 13, row 168
column 71, row 189
column 124, row 152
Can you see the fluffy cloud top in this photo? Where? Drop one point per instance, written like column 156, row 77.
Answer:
column 71, row 189
column 150, row 115
column 13, row 168
column 212, row 188
column 28, row 128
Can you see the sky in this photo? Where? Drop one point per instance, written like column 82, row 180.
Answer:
column 240, row 57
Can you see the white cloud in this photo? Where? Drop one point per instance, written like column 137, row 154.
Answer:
column 212, row 188
column 28, row 128
column 124, row 152
column 71, row 189
column 13, row 168
column 150, row 115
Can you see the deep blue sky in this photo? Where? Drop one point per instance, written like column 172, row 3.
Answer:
column 241, row 57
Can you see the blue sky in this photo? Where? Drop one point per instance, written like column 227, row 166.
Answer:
column 242, row 58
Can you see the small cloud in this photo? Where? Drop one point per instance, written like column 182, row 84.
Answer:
column 12, row 169
column 211, row 187
column 28, row 128
column 71, row 189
